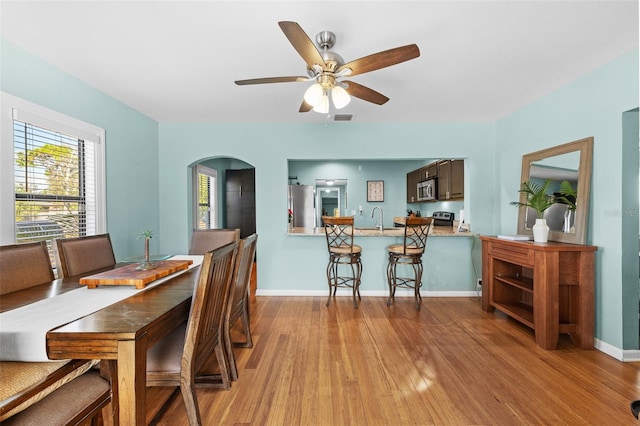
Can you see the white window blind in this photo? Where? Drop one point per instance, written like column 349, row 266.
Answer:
column 205, row 208
column 53, row 184
column 52, row 169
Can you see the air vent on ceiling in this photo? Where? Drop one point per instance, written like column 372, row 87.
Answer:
column 343, row 117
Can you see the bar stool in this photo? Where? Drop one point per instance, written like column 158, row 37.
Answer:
column 408, row 253
column 342, row 253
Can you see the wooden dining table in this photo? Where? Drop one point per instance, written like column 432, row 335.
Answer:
column 118, row 334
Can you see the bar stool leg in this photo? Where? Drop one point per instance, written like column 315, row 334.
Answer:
column 356, row 271
column 330, row 279
column 391, row 279
column 359, row 268
column 417, row 271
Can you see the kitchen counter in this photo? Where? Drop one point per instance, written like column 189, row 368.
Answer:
column 435, row 231
column 307, row 250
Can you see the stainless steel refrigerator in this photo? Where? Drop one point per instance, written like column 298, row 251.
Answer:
column 301, row 202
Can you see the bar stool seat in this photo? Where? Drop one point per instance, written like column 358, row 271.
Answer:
column 343, row 254
column 409, row 255
column 400, row 249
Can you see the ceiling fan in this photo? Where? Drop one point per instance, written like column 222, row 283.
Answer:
column 328, row 69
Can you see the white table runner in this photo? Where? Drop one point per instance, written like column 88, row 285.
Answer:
column 23, row 331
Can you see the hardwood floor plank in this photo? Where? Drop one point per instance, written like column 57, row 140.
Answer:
column 449, row 364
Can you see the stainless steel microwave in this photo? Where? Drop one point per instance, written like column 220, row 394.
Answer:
column 427, row 190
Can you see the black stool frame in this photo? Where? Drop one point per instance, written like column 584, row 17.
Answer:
column 342, row 251
column 408, row 253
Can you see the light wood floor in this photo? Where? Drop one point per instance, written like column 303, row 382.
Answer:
column 450, row 364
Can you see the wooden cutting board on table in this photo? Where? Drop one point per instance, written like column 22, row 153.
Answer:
column 130, row 275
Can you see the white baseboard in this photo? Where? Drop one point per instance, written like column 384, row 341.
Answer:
column 624, row 355
column 374, row 293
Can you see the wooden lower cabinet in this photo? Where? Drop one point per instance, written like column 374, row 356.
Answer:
column 548, row 287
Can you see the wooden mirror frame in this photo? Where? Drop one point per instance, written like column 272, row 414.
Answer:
column 585, row 148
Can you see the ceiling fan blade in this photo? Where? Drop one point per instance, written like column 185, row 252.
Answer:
column 381, row 59
column 305, row 107
column 302, row 43
column 271, row 80
column 364, row 93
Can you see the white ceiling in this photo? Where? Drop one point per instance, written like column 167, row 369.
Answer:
column 176, row 61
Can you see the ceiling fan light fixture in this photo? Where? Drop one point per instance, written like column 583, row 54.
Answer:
column 323, row 106
column 340, row 97
column 313, row 95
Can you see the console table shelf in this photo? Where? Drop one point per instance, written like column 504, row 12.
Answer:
column 548, row 287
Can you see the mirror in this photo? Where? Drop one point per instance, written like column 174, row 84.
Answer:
column 328, row 201
column 570, row 162
column 330, row 197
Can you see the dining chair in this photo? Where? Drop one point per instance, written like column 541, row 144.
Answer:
column 239, row 299
column 408, row 254
column 204, row 240
column 66, row 396
column 342, row 252
column 75, row 256
column 23, row 266
column 32, row 392
column 177, row 359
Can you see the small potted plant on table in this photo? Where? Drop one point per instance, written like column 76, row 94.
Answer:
column 536, row 197
column 146, row 264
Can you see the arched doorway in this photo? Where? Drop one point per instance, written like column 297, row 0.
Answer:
column 223, row 197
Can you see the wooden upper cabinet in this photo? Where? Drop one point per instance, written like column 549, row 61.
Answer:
column 450, row 174
column 450, row 179
column 430, row 171
column 412, row 185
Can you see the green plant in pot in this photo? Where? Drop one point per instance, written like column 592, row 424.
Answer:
column 536, row 197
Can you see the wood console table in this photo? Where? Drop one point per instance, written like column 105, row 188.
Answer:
column 548, row 287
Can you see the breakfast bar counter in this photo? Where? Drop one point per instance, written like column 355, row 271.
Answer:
column 449, row 267
column 435, row 231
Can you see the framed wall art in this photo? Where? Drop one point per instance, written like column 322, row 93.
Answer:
column 375, row 190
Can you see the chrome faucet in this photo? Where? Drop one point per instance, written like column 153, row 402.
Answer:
column 380, row 227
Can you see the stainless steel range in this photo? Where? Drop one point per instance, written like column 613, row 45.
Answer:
column 443, row 218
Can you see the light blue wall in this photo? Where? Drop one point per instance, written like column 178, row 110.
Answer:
column 288, row 262
column 131, row 141
column 590, row 106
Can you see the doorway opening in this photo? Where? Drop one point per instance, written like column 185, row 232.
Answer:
column 223, row 197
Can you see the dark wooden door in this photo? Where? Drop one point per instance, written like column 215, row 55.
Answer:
column 241, row 200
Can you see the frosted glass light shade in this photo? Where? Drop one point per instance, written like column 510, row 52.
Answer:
column 313, row 95
column 323, row 105
column 340, row 97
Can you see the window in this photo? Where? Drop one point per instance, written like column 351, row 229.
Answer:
column 205, row 199
column 54, row 164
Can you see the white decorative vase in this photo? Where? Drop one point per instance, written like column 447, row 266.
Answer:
column 540, row 231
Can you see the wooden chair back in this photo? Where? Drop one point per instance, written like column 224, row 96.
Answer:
column 75, row 256
column 209, row 310
column 204, row 240
column 23, row 266
column 339, row 233
column 239, row 299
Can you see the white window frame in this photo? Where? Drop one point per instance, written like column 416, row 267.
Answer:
column 213, row 195
column 13, row 107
